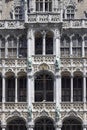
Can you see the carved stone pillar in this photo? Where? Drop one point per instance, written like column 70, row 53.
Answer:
column 29, row 49
column 3, row 126
column 84, row 88
column 29, row 89
column 25, row 9
column 58, row 89
column 71, row 88
column 3, row 89
column 84, row 126
column 58, row 126
column 30, row 126
column 57, row 44
column 16, row 98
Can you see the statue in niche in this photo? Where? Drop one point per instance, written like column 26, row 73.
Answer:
column 29, row 62
column 29, row 113
column 57, row 63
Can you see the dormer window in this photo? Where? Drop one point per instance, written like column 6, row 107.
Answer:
column 70, row 12
column 44, row 5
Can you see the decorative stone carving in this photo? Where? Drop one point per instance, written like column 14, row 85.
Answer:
column 57, row 63
column 44, row 113
column 29, row 63
column 57, row 113
column 29, row 114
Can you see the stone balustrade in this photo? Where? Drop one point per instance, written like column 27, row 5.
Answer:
column 11, row 24
column 44, row 18
column 75, row 23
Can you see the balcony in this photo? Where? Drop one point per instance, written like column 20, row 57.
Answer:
column 11, row 24
column 44, row 18
column 75, row 23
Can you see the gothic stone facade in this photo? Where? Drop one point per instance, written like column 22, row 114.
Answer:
column 43, row 64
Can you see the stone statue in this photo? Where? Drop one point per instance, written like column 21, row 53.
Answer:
column 29, row 113
column 29, row 62
column 57, row 113
column 57, row 63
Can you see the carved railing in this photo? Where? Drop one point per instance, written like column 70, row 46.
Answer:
column 19, row 106
column 42, row 58
column 76, row 23
column 44, row 18
column 74, row 106
column 13, row 62
column 11, row 24
column 44, row 105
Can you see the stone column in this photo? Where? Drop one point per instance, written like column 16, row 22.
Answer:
column 71, row 47
column 29, row 42
column 16, row 97
column 58, row 126
column 84, row 126
column 30, row 126
column 3, row 89
column 58, row 89
column 57, row 44
column 25, row 10
column 44, row 44
column 29, row 89
column 71, row 88
column 84, row 88
column 83, row 52
column 3, row 126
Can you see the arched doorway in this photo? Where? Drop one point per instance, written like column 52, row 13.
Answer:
column 16, row 124
column 44, row 124
column 72, row 124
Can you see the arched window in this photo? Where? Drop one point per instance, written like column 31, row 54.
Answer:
column 44, row 43
column 12, row 47
column 22, row 88
column 77, row 88
column 77, row 45
column 22, row 46
column 44, row 124
column 10, row 88
column 44, row 87
column 72, row 124
column 66, row 88
column 18, row 13
column 2, row 47
column 70, row 12
column 38, row 43
column 44, row 5
column 65, row 46
column 49, row 43
column 16, row 124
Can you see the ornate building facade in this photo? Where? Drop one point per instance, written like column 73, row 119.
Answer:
column 43, row 64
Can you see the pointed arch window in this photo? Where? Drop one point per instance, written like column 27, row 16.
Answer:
column 77, row 45
column 44, row 5
column 44, row 43
column 22, row 46
column 18, row 13
column 22, row 88
column 10, row 89
column 44, row 124
column 77, row 88
column 66, row 88
column 65, row 46
column 70, row 12
column 12, row 47
column 44, row 88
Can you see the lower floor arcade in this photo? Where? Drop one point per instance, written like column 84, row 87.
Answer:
column 43, row 123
